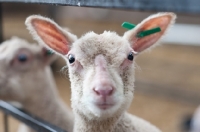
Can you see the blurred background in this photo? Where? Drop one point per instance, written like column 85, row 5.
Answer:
column 167, row 89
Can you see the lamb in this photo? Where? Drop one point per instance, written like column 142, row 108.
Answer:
column 101, row 70
column 25, row 77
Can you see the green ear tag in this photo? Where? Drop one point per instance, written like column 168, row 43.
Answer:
column 49, row 52
column 128, row 25
column 148, row 32
column 141, row 34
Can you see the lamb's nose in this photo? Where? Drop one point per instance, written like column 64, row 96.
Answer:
column 103, row 91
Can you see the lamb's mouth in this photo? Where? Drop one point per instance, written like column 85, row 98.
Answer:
column 104, row 103
column 104, row 106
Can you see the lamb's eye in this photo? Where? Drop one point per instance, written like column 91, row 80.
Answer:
column 130, row 56
column 71, row 58
column 22, row 58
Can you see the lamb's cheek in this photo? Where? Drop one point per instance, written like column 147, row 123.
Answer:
column 87, row 84
column 117, row 83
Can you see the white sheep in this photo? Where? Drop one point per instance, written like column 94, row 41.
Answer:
column 101, row 70
column 25, row 77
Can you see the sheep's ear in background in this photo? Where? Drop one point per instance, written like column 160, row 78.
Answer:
column 162, row 20
column 48, row 33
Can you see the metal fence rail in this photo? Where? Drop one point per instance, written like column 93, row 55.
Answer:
column 181, row 6
column 33, row 122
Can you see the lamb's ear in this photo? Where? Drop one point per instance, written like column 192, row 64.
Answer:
column 48, row 33
column 162, row 20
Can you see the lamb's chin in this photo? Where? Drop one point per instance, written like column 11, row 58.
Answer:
column 97, row 108
column 104, row 111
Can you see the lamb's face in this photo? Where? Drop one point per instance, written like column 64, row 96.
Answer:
column 102, row 75
column 22, row 64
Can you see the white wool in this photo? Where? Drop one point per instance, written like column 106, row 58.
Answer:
column 32, row 83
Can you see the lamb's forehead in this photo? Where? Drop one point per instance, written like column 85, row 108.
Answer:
column 106, row 43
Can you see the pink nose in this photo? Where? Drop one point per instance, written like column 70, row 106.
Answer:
column 106, row 91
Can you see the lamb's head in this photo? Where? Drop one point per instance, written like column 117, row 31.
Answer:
column 23, row 66
column 101, row 66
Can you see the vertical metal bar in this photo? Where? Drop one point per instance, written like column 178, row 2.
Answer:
column 5, row 118
column 1, row 23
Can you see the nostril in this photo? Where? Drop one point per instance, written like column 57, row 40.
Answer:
column 96, row 91
column 103, row 91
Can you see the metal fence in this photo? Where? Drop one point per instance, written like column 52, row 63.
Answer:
column 28, row 119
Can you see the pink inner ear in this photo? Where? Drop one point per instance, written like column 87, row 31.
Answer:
column 51, row 36
column 147, row 41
